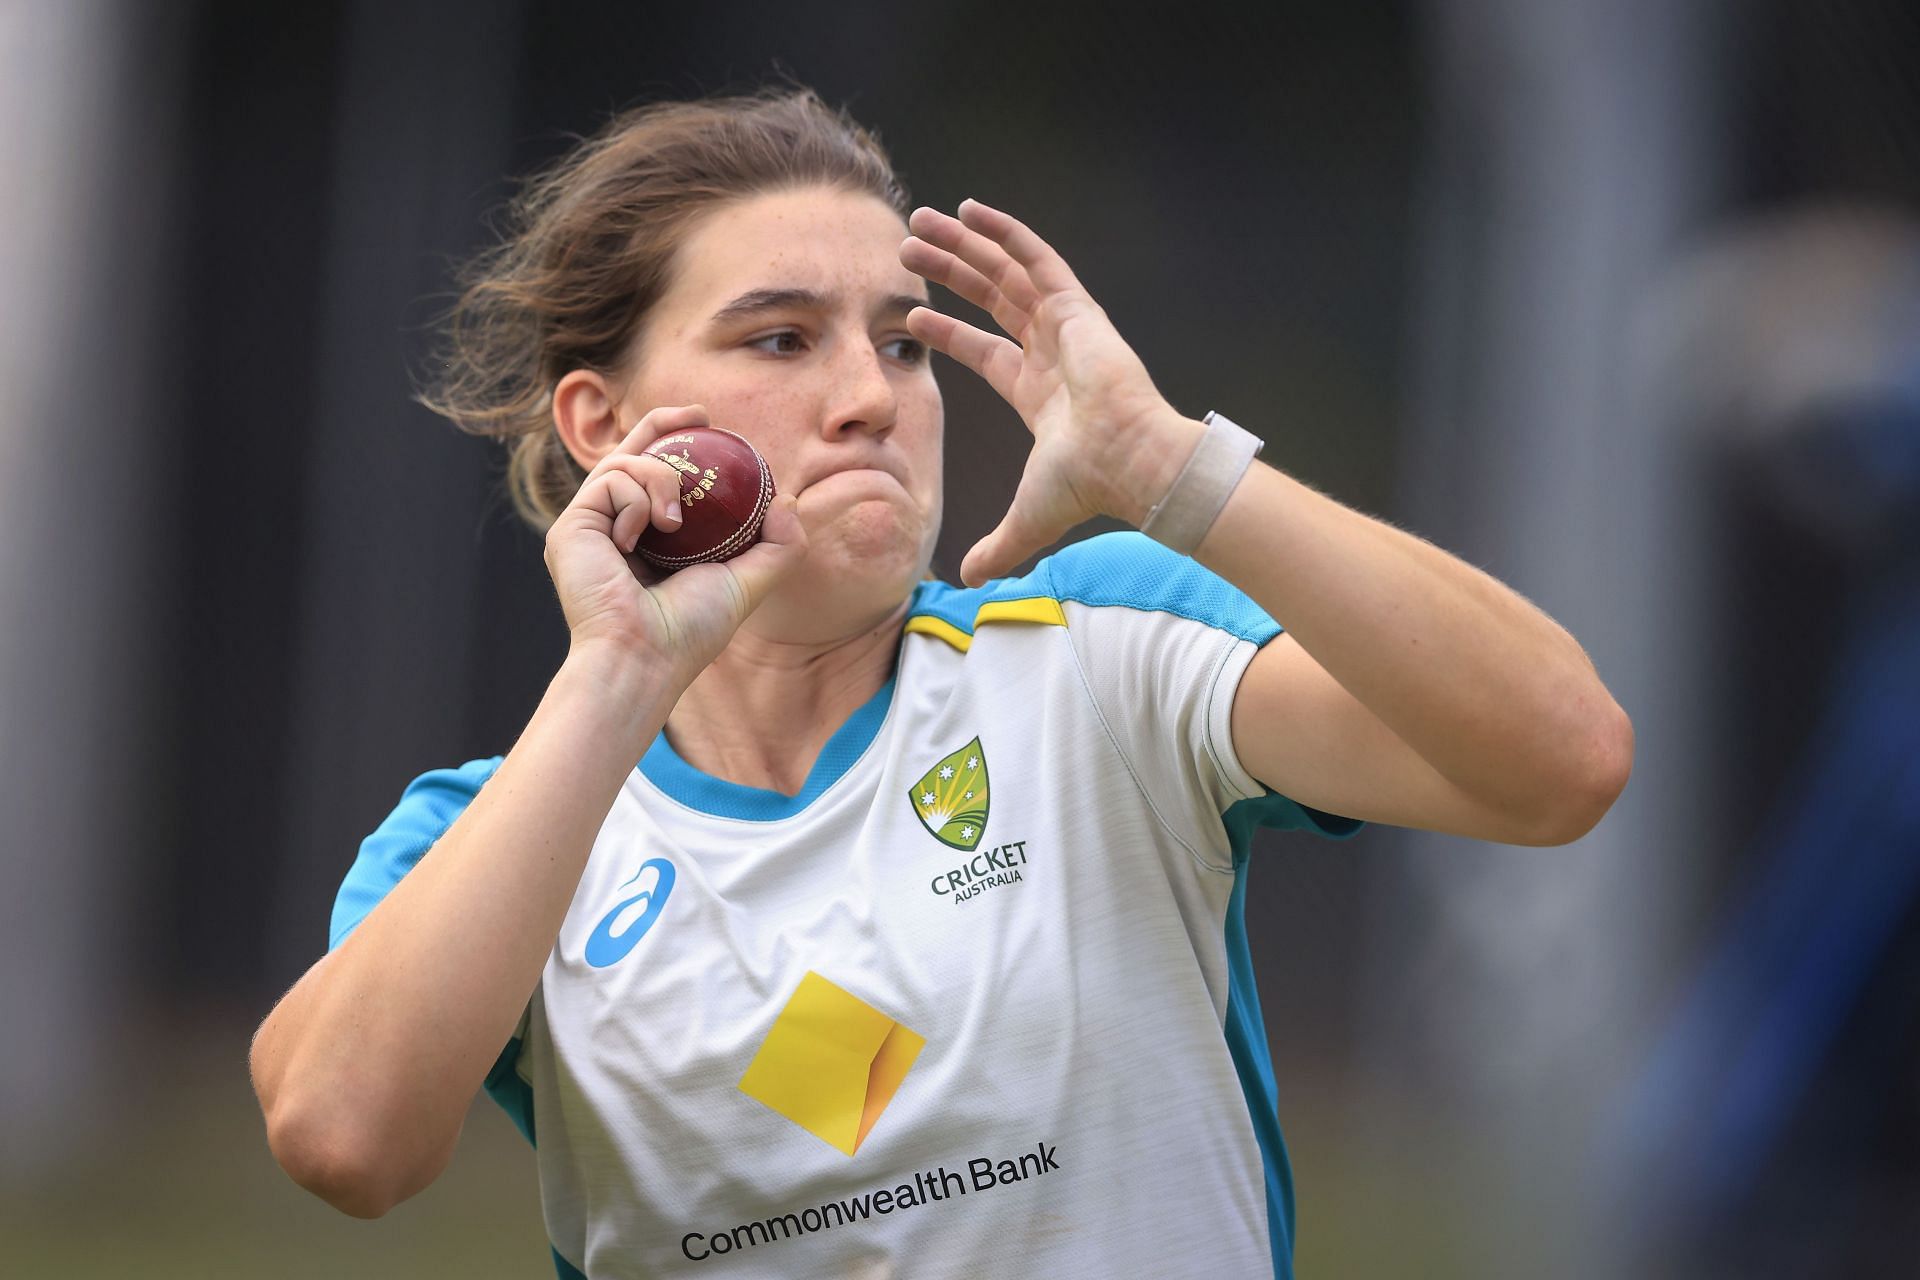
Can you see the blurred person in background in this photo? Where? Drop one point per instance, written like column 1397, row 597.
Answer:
column 787, row 989
column 1771, row 1130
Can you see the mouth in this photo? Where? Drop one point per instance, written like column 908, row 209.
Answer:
column 858, row 476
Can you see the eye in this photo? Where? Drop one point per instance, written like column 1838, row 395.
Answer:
column 787, row 342
column 908, row 350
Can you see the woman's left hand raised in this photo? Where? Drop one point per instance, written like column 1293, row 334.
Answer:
column 1103, row 436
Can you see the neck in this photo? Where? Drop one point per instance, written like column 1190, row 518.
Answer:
column 761, row 712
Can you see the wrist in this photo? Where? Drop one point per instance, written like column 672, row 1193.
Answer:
column 1155, row 452
column 1214, row 469
column 627, row 676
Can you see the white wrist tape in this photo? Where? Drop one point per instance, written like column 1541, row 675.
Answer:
column 1181, row 518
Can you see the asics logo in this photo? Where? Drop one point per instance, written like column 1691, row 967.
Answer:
column 621, row 928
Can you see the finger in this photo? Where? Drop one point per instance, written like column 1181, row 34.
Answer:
column 591, row 507
column 628, row 499
column 783, row 545
column 662, row 482
column 782, row 524
column 993, row 262
column 1043, row 264
column 657, row 422
column 655, row 492
column 596, row 508
column 1015, row 539
column 943, row 268
column 989, row 355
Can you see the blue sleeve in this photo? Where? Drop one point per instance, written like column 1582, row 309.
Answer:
column 1278, row 812
column 428, row 806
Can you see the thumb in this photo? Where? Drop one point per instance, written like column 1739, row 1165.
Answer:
column 782, row 546
column 999, row 553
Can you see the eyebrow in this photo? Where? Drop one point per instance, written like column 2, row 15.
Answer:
column 755, row 301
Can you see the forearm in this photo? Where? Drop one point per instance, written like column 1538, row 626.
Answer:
column 1482, row 687
column 366, row 1068
column 1491, row 692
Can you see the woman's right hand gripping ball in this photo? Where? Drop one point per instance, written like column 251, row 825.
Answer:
column 612, row 596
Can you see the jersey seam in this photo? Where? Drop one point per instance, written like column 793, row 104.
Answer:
column 1230, row 776
column 1153, row 806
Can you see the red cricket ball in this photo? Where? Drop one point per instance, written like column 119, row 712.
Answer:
column 725, row 489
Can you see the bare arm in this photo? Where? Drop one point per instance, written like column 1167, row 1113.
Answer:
column 365, row 1068
column 1412, row 688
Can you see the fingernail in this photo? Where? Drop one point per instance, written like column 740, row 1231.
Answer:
column 673, row 511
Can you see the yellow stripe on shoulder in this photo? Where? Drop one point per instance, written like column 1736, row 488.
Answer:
column 1042, row 609
column 927, row 624
column 1034, row 609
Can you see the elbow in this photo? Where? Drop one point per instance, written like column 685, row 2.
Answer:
column 346, row 1169
column 305, row 1142
column 1596, row 777
column 360, row 1149
column 360, row 1167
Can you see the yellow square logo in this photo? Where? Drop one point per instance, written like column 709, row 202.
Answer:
column 831, row 1063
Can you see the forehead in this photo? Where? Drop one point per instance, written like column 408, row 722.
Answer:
column 812, row 238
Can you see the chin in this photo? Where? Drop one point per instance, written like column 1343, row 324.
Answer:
column 837, row 590
column 871, row 538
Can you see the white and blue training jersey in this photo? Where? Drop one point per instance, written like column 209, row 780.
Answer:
column 976, row 1002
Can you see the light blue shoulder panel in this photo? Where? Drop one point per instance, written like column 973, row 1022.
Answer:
column 430, row 804
column 1127, row 569
column 1132, row 570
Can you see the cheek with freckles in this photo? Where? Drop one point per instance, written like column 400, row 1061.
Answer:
column 770, row 421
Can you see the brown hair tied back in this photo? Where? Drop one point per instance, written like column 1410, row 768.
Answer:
column 588, row 248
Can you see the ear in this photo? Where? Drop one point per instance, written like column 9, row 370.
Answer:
column 586, row 417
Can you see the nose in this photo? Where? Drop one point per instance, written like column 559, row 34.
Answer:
column 863, row 397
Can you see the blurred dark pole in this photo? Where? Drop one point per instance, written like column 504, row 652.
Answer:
column 394, row 499
column 1572, row 144
column 87, row 97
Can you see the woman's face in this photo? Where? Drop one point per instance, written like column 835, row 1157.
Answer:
column 786, row 318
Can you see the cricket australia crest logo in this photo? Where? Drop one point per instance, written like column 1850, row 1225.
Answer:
column 951, row 800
